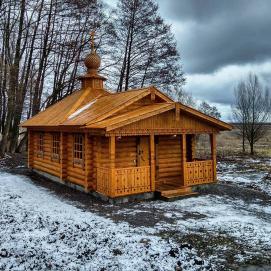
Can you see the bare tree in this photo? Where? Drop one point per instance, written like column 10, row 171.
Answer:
column 252, row 109
column 207, row 109
column 239, row 111
column 42, row 43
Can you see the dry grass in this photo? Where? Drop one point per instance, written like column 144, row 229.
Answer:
column 229, row 143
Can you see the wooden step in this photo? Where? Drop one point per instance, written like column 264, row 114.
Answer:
column 177, row 196
column 184, row 189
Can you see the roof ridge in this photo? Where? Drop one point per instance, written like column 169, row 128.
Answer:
column 129, row 90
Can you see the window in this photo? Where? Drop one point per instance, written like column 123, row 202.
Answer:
column 78, row 150
column 55, row 146
column 40, row 145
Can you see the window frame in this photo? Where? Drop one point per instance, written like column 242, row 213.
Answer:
column 55, row 147
column 78, row 151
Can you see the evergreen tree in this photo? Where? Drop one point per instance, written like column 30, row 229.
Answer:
column 146, row 49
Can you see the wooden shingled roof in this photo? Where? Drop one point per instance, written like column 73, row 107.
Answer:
column 58, row 113
column 102, row 104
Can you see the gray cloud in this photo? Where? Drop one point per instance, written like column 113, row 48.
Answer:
column 221, row 42
column 218, row 33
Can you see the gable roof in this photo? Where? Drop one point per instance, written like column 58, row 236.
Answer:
column 93, row 107
column 102, row 104
column 98, row 109
column 151, row 110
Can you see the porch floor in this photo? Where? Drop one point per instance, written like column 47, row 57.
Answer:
column 170, row 185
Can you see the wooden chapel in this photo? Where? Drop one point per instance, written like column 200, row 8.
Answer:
column 130, row 143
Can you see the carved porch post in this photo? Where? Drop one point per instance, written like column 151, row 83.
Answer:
column 183, row 153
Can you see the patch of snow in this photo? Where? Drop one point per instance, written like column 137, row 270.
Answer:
column 38, row 231
column 244, row 175
column 82, row 109
column 219, row 214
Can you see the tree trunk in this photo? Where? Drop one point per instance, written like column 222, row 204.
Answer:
column 243, row 141
column 13, row 82
column 252, row 148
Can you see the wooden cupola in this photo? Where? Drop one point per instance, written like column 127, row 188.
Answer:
column 92, row 79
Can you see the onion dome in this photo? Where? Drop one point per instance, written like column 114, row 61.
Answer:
column 92, row 80
column 92, row 60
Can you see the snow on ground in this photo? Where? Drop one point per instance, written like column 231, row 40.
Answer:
column 38, row 230
column 41, row 232
column 248, row 225
column 217, row 215
column 246, row 173
column 3, row 161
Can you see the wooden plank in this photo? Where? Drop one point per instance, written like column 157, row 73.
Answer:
column 177, row 112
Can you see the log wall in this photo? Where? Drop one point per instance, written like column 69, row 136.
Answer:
column 45, row 163
column 64, row 168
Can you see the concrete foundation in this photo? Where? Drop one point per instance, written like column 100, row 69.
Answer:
column 124, row 199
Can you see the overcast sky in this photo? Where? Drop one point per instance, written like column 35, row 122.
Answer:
column 220, row 42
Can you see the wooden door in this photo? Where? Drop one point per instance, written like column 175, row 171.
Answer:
column 143, row 152
column 168, row 160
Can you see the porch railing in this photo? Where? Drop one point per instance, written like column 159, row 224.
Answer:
column 123, row 181
column 199, row 172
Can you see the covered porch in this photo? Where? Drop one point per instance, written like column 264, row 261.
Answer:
column 115, row 180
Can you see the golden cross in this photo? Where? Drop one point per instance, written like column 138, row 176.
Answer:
column 92, row 34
